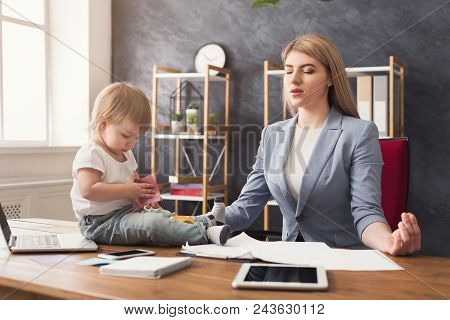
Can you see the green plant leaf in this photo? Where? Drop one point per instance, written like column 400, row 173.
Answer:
column 264, row 3
column 192, row 118
column 176, row 116
column 193, row 105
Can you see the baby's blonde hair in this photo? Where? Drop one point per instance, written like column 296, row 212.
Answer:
column 120, row 102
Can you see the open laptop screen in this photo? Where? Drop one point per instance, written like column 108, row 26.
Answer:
column 4, row 224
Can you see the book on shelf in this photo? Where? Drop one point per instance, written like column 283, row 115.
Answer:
column 364, row 97
column 186, row 189
column 380, row 104
column 185, row 186
column 187, row 192
column 185, row 179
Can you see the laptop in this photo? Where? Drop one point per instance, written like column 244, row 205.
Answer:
column 44, row 242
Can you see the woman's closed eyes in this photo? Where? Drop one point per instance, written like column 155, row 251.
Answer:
column 305, row 71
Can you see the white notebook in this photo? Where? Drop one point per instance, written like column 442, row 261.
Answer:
column 145, row 267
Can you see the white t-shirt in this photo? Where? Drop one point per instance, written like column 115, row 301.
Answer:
column 301, row 149
column 93, row 156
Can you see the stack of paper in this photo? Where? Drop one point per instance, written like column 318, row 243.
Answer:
column 303, row 253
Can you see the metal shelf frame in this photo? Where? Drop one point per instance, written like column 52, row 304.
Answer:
column 208, row 191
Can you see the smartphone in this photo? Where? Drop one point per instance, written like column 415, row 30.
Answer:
column 280, row 277
column 126, row 254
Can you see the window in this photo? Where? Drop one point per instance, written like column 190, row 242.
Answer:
column 23, row 73
column 49, row 79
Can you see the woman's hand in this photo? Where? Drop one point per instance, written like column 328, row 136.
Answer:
column 406, row 239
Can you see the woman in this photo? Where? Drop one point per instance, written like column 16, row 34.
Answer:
column 323, row 166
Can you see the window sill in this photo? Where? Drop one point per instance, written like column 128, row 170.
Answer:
column 13, row 183
column 38, row 150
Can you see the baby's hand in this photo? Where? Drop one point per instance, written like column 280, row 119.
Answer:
column 139, row 190
column 155, row 205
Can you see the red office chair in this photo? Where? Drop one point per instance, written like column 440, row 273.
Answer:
column 394, row 179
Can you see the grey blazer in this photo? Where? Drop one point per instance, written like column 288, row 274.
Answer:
column 341, row 188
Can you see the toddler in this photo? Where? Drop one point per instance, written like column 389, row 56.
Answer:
column 104, row 175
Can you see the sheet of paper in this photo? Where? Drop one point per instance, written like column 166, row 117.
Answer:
column 236, row 247
column 215, row 251
column 242, row 240
column 303, row 253
column 319, row 254
column 355, row 260
column 289, row 252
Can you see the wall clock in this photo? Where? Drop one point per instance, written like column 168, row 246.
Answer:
column 212, row 54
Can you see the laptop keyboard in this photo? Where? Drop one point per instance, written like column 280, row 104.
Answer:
column 45, row 241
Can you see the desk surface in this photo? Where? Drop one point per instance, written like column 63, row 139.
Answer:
column 56, row 276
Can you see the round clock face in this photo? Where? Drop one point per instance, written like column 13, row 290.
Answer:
column 211, row 54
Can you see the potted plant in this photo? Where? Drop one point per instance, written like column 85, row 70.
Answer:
column 212, row 118
column 192, row 118
column 176, row 125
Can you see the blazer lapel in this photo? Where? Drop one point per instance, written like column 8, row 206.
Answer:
column 324, row 147
column 282, row 154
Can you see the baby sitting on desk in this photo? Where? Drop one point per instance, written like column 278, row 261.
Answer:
column 112, row 204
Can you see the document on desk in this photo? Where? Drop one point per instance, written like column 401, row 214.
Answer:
column 303, row 253
column 355, row 260
column 289, row 252
column 236, row 248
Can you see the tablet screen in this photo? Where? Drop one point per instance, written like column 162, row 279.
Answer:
column 281, row 274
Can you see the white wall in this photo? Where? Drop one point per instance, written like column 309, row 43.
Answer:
column 99, row 47
column 69, row 71
column 37, row 180
column 23, row 163
column 80, row 63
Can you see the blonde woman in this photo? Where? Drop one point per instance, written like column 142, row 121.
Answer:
column 323, row 166
column 104, row 171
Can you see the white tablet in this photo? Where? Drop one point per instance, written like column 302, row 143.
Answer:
column 280, row 276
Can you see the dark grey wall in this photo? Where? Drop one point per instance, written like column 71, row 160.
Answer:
column 147, row 32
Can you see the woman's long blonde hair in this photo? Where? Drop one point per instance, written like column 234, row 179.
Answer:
column 120, row 102
column 322, row 49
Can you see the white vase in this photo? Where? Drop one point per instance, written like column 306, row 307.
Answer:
column 177, row 127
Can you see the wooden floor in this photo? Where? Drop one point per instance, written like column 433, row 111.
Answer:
column 56, row 276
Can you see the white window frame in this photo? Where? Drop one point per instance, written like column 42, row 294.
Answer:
column 43, row 27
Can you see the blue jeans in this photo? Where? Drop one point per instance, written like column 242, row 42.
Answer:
column 153, row 227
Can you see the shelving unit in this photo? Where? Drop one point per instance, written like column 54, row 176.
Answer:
column 394, row 69
column 159, row 132
column 186, row 136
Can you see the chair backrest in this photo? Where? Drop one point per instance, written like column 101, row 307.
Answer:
column 394, row 179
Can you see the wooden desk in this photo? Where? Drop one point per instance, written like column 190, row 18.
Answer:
column 56, row 276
